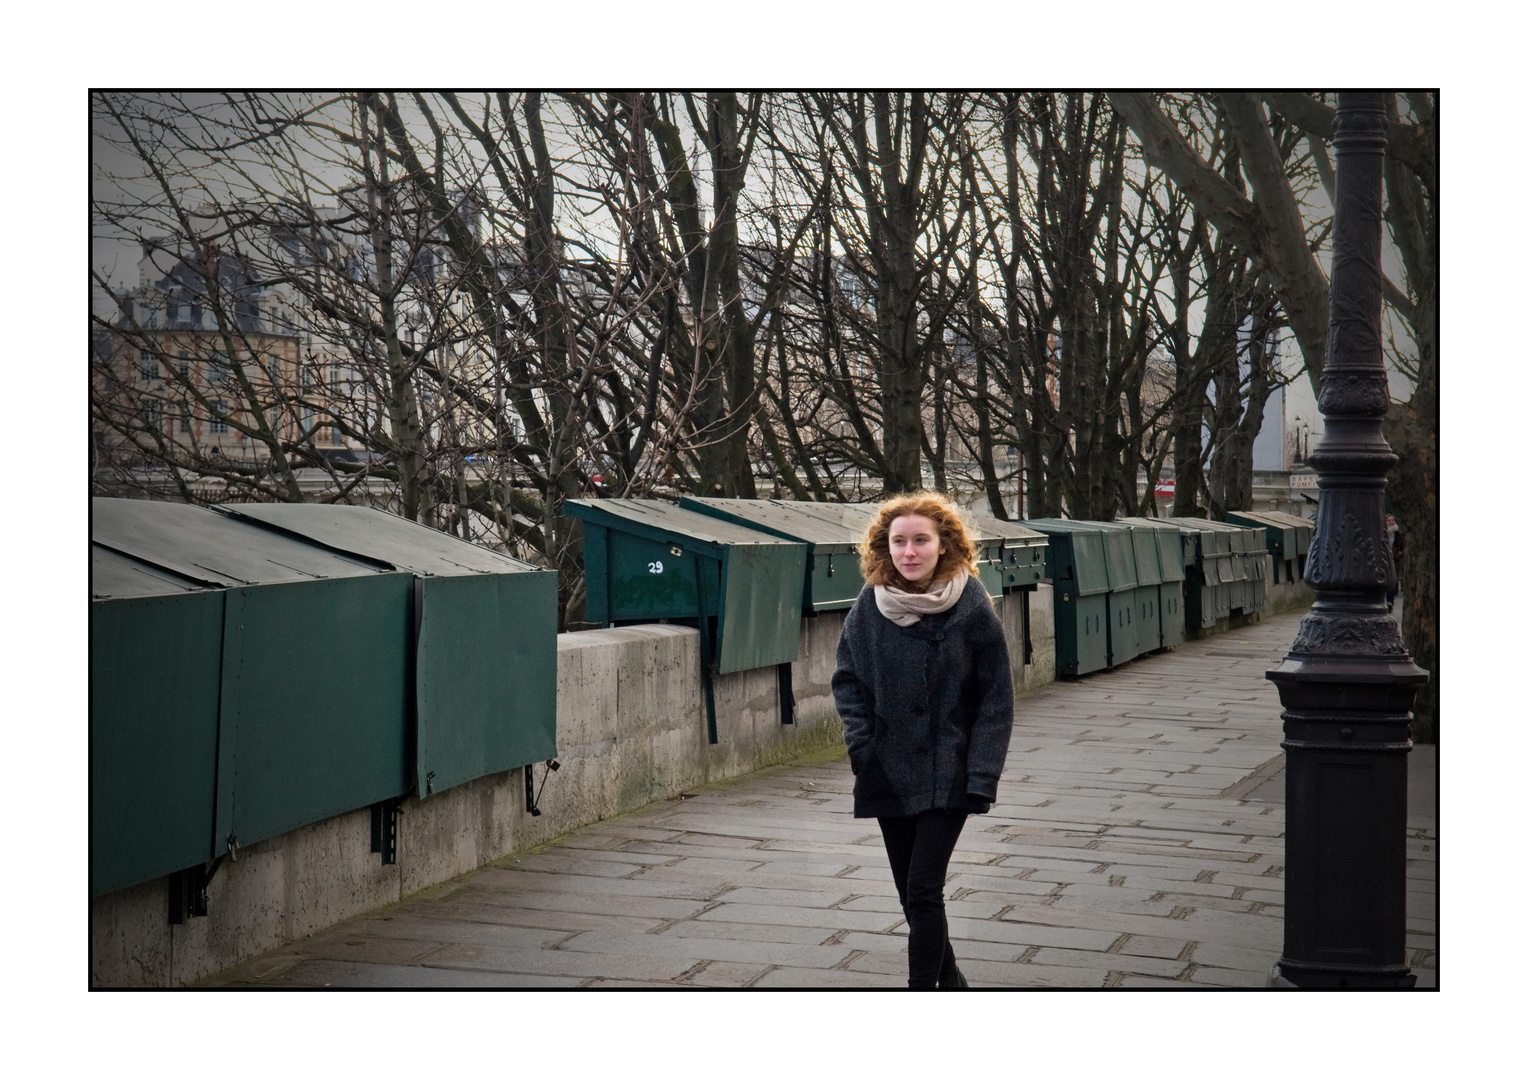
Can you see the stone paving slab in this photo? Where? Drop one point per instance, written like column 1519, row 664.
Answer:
column 842, row 979
column 562, row 919
column 721, row 973
column 455, row 932
column 563, row 962
column 781, row 915
column 665, row 947
column 655, row 907
column 731, row 931
column 1034, row 934
column 370, row 948
column 510, row 882
column 1137, row 842
column 338, row 973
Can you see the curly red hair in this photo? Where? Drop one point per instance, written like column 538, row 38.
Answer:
column 875, row 548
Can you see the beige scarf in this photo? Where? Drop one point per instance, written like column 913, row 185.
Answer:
column 906, row 608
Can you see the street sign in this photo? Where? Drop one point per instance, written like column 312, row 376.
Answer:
column 1166, row 489
column 1302, row 480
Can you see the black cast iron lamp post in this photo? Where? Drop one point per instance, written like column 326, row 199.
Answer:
column 1347, row 685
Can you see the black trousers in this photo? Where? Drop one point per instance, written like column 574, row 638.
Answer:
column 919, row 848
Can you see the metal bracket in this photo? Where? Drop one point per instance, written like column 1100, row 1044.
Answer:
column 532, row 794
column 188, row 891
column 704, row 626
column 384, row 830
column 1029, row 643
column 787, row 694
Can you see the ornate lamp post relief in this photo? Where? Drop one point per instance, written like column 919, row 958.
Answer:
column 1347, row 685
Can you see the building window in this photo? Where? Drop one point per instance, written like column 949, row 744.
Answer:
column 153, row 415
column 218, row 425
column 148, row 366
column 185, row 423
column 336, row 438
column 185, row 365
column 215, row 368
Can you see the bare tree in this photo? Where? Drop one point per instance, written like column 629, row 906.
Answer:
column 474, row 307
column 888, row 166
column 1272, row 226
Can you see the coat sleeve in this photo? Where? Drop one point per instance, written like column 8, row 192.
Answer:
column 851, row 692
column 993, row 725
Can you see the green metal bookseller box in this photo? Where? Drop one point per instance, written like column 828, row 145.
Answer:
column 1022, row 556
column 1148, row 592
column 1248, row 564
column 1168, row 543
column 1126, row 640
column 311, row 717
column 1207, row 592
column 1284, row 538
column 1236, row 585
column 1304, row 530
column 833, row 580
column 990, row 547
column 1076, row 564
column 646, row 560
column 314, row 717
column 484, row 637
column 1280, row 535
column 155, row 661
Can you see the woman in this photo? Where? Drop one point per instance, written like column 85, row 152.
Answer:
column 925, row 692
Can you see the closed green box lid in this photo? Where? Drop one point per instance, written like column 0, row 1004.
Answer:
column 485, row 653
column 754, row 585
column 1074, row 552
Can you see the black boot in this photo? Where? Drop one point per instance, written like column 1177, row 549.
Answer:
column 950, row 977
column 955, row 982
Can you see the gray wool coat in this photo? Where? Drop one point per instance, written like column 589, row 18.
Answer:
column 927, row 708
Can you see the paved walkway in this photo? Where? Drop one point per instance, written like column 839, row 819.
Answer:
column 1137, row 841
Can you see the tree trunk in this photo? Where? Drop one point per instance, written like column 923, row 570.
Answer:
column 728, row 171
column 897, row 333
column 402, row 404
column 1411, row 429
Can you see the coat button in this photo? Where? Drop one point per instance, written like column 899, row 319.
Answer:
column 939, row 636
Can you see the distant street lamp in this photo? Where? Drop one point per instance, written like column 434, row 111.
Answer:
column 1347, row 685
column 1302, row 440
